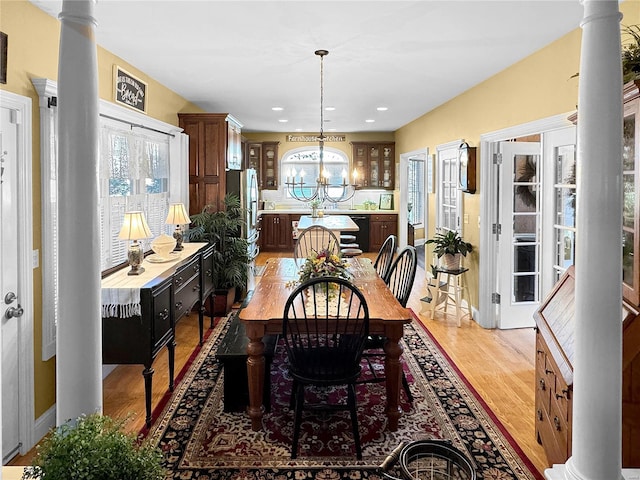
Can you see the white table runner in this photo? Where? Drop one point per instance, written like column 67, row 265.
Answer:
column 121, row 292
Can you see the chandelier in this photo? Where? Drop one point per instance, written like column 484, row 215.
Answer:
column 323, row 190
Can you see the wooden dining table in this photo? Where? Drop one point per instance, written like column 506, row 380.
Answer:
column 263, row 316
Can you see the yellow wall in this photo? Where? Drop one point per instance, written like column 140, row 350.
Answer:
column 33, row 38
column 537, row 87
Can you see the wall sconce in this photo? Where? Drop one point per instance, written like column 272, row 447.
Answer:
column 134, row 227
column 177, row 216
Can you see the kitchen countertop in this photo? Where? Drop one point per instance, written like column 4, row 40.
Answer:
column 340, row 223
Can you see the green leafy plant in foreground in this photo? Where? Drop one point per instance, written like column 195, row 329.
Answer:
column 93, row 447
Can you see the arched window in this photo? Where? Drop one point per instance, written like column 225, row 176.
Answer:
column 306, row 160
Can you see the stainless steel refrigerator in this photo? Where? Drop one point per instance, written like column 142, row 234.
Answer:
column 244, row 183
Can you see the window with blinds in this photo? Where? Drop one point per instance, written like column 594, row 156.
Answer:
column 134, row 175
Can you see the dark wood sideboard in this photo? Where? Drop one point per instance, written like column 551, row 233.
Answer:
column 554, row 375
column 165, row 298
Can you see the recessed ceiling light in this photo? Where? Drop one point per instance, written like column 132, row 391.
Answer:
column 277, row 109
column 283, row 120
column 370, row 120
column 331, row 129
column 382, row 109
column 298, row 129
column 329, row 109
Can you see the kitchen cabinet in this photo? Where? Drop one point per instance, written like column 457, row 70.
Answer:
column 555, row 323
column 214, row 146
column 375, row 163
column 263, row 157
column 380, row 227
column 269, row 169
column 253, row 157
column 276, row 231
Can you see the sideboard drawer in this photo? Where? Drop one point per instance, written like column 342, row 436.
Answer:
column 161, row 316
column 186, row 297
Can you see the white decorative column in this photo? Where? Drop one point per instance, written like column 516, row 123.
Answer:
column 597, row 400
column 79, row 336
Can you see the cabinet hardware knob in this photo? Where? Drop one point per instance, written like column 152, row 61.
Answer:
column 209, row 273
column 196, row 287
column 178, row 305
column 543, row 386
column 164, row 314
column 559, row 396
column 539, row 414
column 556, row 422
column 547, row 371
column 540, row 351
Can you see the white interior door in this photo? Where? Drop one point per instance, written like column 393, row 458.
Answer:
column 9, row 286
column 520, row 233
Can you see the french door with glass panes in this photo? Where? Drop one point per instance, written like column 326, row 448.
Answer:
column 519, row 233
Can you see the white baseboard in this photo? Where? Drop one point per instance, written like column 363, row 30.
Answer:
column 44, row 423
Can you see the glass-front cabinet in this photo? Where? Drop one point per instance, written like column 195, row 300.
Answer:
column 631, row 195
column 263, row 157
column 375, row 164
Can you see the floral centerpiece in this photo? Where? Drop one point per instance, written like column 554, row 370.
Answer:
column 322, row 264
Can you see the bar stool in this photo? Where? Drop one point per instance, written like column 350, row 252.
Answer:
column 454, row 290
column 350, row 250
column 346, row 238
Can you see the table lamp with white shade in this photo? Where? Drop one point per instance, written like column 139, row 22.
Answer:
column 134, row 227
column 177, row 216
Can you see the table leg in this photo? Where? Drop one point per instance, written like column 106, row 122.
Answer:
column 255, row 373
column 393, row 373
column 201, row 320
column 171, row 347
column 147, row 373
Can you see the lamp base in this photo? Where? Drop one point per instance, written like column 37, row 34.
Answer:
column 135, row 255
column 177, row 234
column 135, row 271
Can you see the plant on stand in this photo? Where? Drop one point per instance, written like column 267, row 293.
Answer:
column 231, row 256
column 450, row 247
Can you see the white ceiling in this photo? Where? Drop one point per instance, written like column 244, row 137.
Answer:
column 244, row 57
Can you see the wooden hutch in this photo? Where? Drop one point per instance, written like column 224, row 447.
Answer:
column 215, row 145
column 555, row 323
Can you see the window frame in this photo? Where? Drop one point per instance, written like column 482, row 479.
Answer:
column 332, row 153
column 447, row 157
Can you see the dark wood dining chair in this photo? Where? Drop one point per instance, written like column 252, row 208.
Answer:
column 324, row 338
column 382, row 264
column 314, row 239
column 400, row 278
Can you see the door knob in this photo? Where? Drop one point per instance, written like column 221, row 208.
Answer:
column 9, row 297
column 13, row 312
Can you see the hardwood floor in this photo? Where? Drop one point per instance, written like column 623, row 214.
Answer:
column 499, row 364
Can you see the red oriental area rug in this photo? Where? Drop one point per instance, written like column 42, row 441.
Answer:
column 202, row 441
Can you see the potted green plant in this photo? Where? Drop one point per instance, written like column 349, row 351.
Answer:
column 315, row 204
column 231, row 256
column 631, row 53
column 450, row 247
column 93, row 447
